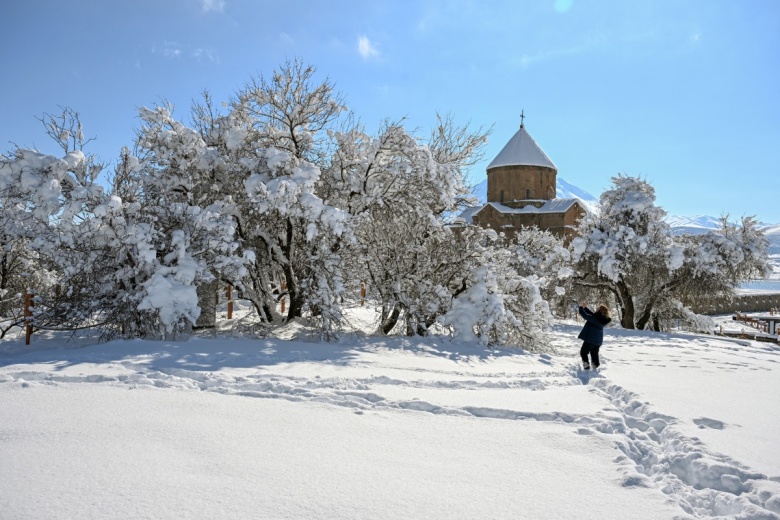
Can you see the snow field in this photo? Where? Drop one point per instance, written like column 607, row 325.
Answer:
column 675, row 426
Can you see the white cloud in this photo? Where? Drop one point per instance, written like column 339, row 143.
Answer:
column 366, row 48
column 168, row 49
column 286, row 39
column 201, row 54
column 217, row 6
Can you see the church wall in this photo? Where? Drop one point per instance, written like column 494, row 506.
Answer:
column 560, row 224
column 511, row 223
column 575, row 213
column 515, row 180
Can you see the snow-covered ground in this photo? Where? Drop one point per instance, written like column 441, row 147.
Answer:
column 674, row 426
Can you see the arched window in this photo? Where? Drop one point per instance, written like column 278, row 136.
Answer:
column 527, row 194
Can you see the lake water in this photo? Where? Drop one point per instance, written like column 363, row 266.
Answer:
column 761, row 285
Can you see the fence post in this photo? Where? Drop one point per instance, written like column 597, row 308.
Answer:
column 229, row 295
column 362, row 293
column 28, row 303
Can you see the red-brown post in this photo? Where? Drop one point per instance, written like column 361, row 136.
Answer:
column 362, row 293
column 283, row 299
column 28, row 303
column 230, row 301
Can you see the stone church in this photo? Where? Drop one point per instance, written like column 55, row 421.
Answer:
column 521, row 184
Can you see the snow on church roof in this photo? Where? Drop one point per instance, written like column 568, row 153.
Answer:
column 549, row 206
column 521, row 150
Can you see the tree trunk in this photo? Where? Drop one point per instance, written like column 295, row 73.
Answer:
column 643, row 320
column 293, row 289
column 391, row 320
column 207, row 301
column 626, row 303
column 656, row 323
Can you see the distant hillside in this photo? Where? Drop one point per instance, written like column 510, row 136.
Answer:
column 702, row 224
column 773, row 235
column 693, row 225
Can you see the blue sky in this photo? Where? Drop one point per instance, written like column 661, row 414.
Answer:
column 682, row 92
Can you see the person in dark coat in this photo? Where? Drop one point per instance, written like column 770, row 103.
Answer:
column 592, row 334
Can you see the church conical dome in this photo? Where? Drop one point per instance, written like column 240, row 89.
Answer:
column 521, row 150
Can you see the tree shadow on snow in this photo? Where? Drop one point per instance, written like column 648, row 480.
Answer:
column 214, row 353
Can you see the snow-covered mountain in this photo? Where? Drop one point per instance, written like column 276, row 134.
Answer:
column 702, row 224
column 772, row 233
column 565, row 190
column 693, row 225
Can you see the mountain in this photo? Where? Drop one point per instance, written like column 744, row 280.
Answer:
column 772, row 233
column 703, row 224
column 565, row 190
column 693, row 225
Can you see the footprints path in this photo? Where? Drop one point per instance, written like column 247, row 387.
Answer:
column 704, row 484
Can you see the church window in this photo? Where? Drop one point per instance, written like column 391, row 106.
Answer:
column 527, row 194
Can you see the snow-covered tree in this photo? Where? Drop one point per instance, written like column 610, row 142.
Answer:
column 629, row 250
column 496, row 304
column 251, row 166
column 542, row 257
column 398, row 190
column 288, row 115
column 717, row 261
column 48, row 204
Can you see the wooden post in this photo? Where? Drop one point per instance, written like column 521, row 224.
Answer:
column 229, row 296
column 284, row 288
column 362, row 293
column 28, row 303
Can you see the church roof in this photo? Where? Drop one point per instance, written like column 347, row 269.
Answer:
column 549, row 206
column 521, row 150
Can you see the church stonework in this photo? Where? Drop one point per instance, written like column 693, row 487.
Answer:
column 520, row 182
column 522, row 192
